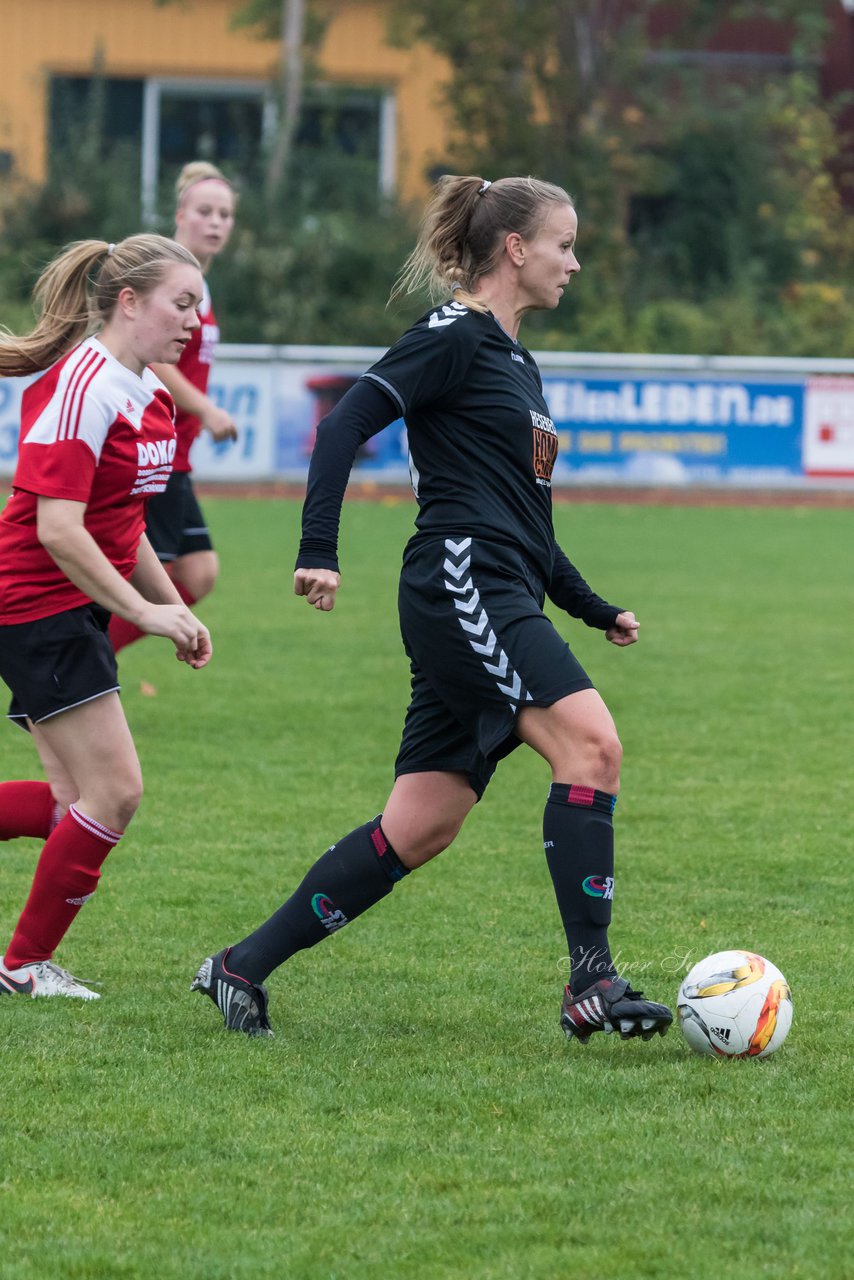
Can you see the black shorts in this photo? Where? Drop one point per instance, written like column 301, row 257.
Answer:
column 174, row 522
column 480, row 649
column 56, row 663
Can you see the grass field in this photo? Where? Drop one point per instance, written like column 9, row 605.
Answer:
column 419, row 1114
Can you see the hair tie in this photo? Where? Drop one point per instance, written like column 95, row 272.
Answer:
column 456, row 284
column 110, row 248
column 485, row 187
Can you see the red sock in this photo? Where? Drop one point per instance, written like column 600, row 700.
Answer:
column 66, row 876
column 123, row 633
column 26, row 809
column 186, row 595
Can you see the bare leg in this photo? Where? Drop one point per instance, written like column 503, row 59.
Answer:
column 196, row 572
column 578, row 738
column 424, row 813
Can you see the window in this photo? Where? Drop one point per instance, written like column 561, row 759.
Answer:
column 109, row 105
column 162, row 123
column 232, row 121
column 224, row 121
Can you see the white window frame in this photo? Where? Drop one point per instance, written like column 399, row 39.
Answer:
column 154, row 88
column 153, row 91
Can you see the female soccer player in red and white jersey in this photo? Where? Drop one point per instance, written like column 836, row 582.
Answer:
column 97, row 438
column 175, row 525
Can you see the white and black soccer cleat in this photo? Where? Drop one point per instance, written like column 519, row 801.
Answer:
column 242, row 1004
column 42, row 978
column 610, row 1005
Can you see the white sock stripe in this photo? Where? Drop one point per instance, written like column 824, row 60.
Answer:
column 94, row 827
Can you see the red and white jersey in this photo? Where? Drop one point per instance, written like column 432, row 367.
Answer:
column 91, row 432
column 195, row 364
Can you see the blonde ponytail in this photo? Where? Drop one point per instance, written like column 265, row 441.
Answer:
column 463, row 229
column 79, row 290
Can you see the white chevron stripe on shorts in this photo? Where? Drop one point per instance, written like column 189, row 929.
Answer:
column 474, row 620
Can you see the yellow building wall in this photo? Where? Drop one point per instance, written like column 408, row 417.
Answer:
column 193, row 39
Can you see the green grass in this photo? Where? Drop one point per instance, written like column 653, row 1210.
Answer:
column 419, row 1114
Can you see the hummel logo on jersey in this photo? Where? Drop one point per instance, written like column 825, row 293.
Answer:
column 514, row 355
column 448, row 314
column 722, row 1033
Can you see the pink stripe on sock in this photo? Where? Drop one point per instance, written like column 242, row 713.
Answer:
column 380, row 842
column 581, row 795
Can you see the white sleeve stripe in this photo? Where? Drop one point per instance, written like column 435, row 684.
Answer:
column 73, row 376
column 72, row 402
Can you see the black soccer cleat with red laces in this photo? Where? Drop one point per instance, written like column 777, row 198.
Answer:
column 242, row 1005
column 610, row 1005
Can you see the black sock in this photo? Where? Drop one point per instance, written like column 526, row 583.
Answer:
column 578, row 831
column 347, row 879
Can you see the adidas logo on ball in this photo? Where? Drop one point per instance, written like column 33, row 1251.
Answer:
column 722, row 1033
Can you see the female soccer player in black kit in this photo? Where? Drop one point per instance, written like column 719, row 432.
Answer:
column 489, row 670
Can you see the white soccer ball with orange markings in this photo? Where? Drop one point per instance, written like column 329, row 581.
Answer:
column 735, row 1004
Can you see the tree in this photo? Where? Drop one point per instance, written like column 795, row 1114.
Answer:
column 683, row 179
column 297, row 25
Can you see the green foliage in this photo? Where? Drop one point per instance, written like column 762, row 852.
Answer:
column 92, row 190
column 419, row 1113
column 710, row 218
column 301, row 276
column 710, row 221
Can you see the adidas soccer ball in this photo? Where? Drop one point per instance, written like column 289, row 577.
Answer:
column 735, row 1004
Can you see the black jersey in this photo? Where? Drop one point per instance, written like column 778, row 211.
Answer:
column 482, row 444
column 482, row 448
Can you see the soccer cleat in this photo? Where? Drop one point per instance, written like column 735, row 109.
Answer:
column 242, row 1005
column 42, row 978
column 610, row 1005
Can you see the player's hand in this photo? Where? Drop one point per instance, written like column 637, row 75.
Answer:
column 319, row 586
column 624, row 630
column 220, row 424
column 190, row 637
column 200, row 654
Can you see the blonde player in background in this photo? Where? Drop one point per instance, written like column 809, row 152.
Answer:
column 175, row 525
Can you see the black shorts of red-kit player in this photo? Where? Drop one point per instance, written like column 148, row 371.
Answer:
column 347, row 879
column 57, row 663
column 578, row 833
column 174, row 522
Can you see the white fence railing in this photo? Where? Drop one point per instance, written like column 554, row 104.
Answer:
column 621, row 419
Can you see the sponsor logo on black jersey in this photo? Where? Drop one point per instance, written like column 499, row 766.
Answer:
column 545, row 447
